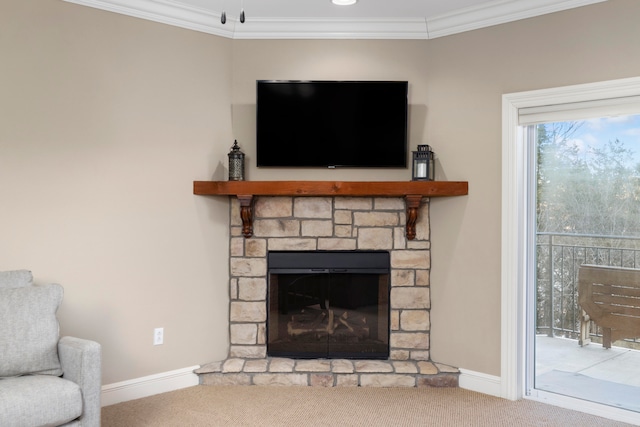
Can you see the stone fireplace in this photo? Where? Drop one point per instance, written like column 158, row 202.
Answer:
column 330, row 224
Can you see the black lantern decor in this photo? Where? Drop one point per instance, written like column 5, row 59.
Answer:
column 423, row 164
column 236, row 163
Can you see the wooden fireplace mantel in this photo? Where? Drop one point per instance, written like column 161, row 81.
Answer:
column 412, row 191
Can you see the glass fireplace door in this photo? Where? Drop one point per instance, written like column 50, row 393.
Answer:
column 328, row 313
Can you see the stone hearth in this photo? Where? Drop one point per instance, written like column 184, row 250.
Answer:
column 330, row 223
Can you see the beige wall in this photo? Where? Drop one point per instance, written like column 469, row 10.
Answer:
column 466, row 77
column 106, row 120
column 456, row 85
column 326, row 60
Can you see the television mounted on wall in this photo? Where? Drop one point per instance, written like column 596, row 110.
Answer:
column 331, row 124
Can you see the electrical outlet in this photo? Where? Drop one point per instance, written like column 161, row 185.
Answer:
column 158, row 336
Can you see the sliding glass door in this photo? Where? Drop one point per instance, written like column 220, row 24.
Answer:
column 585, row 180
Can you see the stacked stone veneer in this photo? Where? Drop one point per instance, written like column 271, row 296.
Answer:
column 330, row 223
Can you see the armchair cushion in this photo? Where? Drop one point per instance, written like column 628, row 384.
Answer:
column 15, row 278
column 29, row 330
column 39, row 400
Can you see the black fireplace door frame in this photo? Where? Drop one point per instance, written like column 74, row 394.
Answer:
column 323, row 273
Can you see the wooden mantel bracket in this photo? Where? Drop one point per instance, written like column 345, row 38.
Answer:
column 413, row 204
column 246, row 214
column 412, row 191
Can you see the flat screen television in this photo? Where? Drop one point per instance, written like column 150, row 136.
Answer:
column 331, row 124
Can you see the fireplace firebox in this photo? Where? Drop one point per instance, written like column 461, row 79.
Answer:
column 328, row 304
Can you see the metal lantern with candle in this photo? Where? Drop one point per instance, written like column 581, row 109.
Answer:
column 423, row 164
column 236, row 163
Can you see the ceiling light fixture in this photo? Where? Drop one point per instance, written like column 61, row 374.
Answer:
column 344, row 2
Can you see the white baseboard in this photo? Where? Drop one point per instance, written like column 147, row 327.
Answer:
column 482, row 383
column 149, row 385
column 490, row 384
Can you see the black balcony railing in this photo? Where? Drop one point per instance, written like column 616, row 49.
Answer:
column 558, row 257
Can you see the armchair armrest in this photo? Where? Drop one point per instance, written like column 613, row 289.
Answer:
column 81, row 362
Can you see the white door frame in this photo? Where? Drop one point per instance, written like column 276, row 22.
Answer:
column 516, row 255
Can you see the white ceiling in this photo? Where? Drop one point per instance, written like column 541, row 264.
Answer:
column 320, row 19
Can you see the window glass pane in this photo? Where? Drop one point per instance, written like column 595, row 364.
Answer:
column 588, row 212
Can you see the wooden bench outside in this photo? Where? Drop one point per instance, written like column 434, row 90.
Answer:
column 610, row 296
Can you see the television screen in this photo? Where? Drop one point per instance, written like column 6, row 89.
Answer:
column 332, row 124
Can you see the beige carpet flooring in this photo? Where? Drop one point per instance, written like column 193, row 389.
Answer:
column 279, row 406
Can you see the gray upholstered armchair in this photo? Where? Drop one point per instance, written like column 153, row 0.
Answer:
column 45, row 380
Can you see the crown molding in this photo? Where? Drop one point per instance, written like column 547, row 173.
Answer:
column 497, row 12
column 166, row 12
column 312, row 28
column 467, row 19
